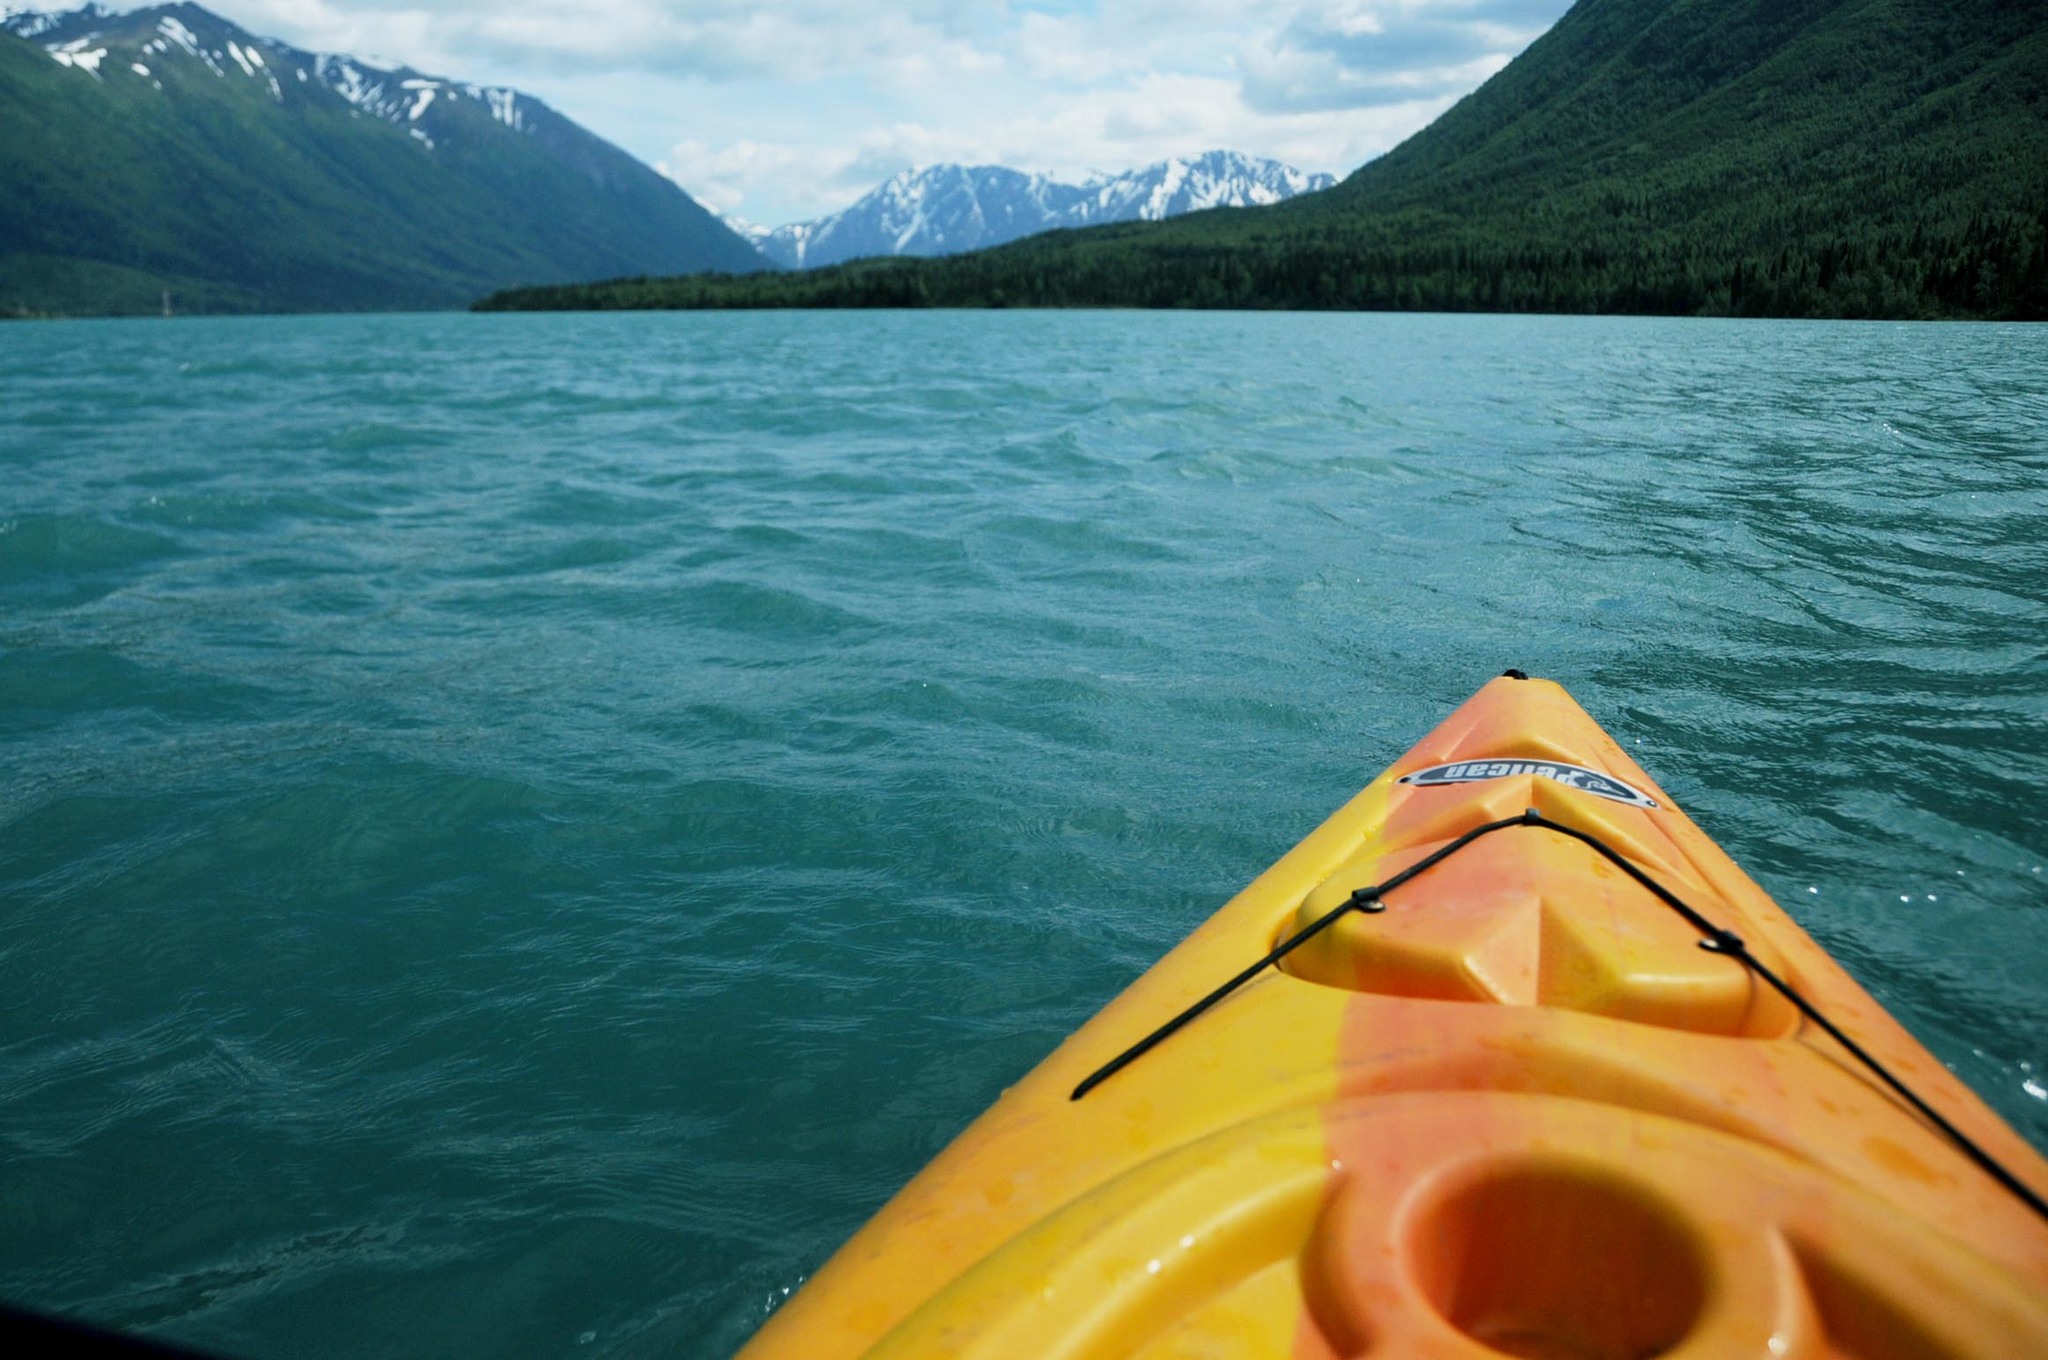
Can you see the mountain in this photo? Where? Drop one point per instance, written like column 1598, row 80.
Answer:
column 1737, row 157
column 946, row 209
column 168, row 150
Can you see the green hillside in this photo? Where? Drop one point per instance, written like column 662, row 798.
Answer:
column 1747, row 157
column 248, row 183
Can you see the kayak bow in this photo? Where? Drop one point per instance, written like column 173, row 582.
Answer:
column 1506, row 1058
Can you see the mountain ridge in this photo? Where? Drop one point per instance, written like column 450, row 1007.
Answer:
column 948, row 208
column 168, row 150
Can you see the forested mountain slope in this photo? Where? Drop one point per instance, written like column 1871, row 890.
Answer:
column 169, row 151
column 1753, row 157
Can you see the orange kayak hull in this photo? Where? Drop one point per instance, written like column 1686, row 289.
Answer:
column 1518, row 1110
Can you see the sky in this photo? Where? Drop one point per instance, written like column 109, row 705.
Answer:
column 784, row 110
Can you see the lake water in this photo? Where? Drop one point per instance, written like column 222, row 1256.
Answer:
column 519, row 832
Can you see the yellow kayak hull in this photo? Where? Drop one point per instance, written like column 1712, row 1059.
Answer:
column 1519, row 1111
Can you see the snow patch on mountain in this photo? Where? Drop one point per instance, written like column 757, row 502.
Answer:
column 75, row 53
column 753, row 231
column 179, row 34
column 944, row 209
column 504, row 105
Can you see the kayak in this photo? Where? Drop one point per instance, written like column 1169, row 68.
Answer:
column 1505, row 1058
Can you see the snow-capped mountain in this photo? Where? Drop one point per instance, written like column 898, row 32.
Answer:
column 169, row 150
column 944, row 209
column 83, row 38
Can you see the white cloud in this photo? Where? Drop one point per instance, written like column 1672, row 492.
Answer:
column 1056, row 48
column 820, row 177
column 709, row 39
column 786, row 109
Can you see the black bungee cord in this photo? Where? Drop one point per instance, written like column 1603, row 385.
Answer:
column 1713, row 938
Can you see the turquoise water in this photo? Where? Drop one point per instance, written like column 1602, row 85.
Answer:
column 518, row 833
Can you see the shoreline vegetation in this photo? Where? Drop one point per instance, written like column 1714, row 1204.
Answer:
column 1994, row 271
column 1768, row 158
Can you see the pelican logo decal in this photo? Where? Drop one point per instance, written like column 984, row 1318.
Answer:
column 1571, row 776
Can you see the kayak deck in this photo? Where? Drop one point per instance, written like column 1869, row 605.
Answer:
column 1510, row 1107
